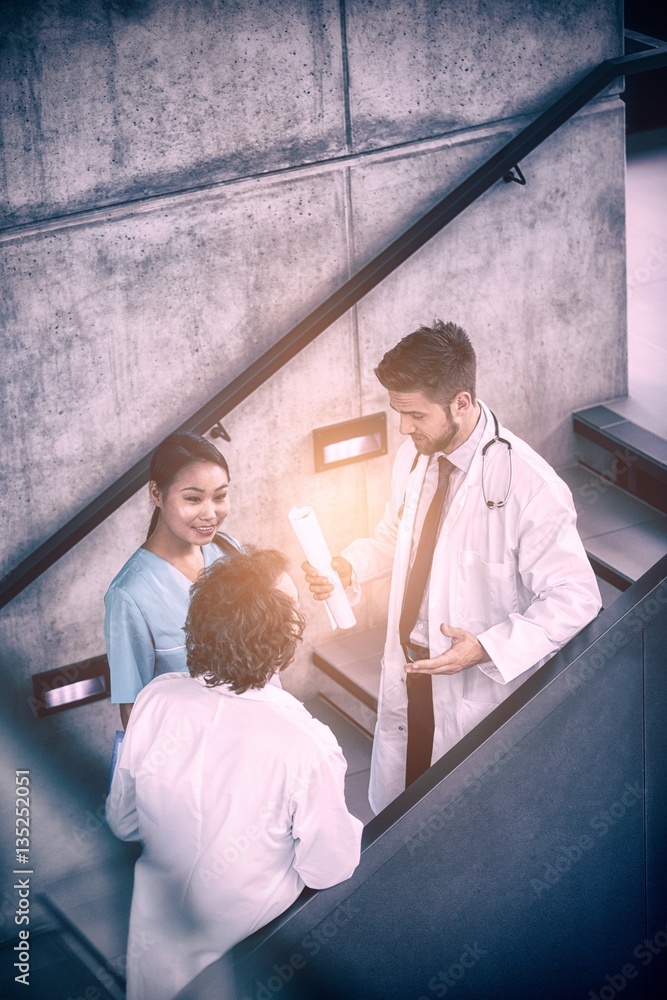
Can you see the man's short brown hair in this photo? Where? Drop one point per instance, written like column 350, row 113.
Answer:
column 438, row 360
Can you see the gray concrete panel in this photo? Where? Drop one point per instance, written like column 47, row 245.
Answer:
column 105, row 102
column 117, row 331
column 536, row 274
column 423, row 67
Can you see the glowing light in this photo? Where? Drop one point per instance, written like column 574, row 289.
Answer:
column 352, row 448
column 74, row 692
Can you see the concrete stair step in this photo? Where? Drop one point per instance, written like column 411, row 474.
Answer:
column 95, row 905
column 64, row 962
column 356, row 745
column 352, row 659
column 623, row 535
column 628, row 454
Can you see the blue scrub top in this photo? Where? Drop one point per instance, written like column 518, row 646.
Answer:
column 146, row 606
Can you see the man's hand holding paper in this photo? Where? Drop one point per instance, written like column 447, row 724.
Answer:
column 329, row 588
column 320, row 586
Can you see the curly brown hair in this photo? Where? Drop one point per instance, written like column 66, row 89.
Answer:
column 240, row 628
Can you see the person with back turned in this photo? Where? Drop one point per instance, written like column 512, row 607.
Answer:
column 234, row 790
column 489, row 575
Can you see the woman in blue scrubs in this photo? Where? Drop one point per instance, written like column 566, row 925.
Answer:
column 147, row 602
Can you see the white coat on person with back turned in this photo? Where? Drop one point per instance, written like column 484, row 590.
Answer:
column 234, row 790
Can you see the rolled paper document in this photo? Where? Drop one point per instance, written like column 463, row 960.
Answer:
column 308, row 531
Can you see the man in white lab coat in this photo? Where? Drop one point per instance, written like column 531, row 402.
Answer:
column 500, row 581
column 234, row 790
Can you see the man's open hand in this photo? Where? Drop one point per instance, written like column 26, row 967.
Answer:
column 466, row 651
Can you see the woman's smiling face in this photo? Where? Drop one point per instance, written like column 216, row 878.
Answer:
column 195, row 504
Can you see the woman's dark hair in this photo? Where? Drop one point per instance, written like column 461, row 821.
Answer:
column 240, row 629
column 172, row 455
column 437, row 360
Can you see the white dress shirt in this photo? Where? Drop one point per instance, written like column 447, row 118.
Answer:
column 461, row 458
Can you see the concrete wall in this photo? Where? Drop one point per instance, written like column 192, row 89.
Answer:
column 185, row 181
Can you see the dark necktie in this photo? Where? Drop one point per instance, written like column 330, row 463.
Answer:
column 421, row 723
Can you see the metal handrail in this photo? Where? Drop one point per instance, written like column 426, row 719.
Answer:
column 644, row 53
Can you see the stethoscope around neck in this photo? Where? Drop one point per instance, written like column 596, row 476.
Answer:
column 496, row 439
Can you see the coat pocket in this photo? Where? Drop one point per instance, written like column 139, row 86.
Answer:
column 486, row 592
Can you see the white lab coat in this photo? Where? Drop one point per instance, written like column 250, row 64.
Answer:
column 239, row 802
column 517, row 577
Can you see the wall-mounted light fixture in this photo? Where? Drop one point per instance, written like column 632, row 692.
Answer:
column 66, row 687
column 350, row 441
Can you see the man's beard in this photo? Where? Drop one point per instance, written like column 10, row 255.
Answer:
column 430, row 447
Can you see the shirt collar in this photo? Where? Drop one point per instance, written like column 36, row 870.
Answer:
column 272, row 691
column 462, row 456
